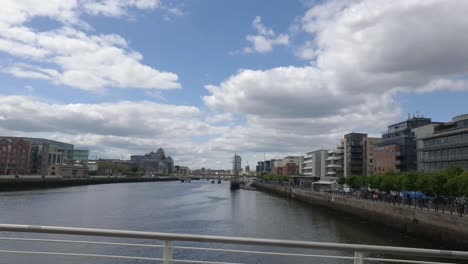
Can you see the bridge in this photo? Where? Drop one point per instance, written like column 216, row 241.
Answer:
column 212, row 176
column 168, row 243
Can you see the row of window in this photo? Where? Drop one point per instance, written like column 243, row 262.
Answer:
column 445, row 153
column 14, row 150
column 437, row 166
column 5, row 160
column 462, row 124
column 446, row 140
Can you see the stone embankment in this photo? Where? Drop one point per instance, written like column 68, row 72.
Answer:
column 14, row 184
column 437, row 226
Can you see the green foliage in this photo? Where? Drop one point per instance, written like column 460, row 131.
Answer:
column 92, row 173
column 450, row 182
column 424, row 183
column 341, row 180
column 389, row 183
column 353, row 182
column 453, row 171
column 273, row 178
column 375, row 181
column 409, row 181
column 133, row 174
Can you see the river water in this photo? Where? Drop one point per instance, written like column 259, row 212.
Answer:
column 193, row 208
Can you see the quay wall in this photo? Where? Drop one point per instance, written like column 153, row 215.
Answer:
column 14, row 184
column 441, row 228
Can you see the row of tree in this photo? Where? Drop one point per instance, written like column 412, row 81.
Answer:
column 450, row 182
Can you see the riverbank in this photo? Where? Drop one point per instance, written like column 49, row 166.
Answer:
column 15, row 184
column 440, row 228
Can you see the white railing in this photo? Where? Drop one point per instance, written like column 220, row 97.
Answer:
column 361, row 254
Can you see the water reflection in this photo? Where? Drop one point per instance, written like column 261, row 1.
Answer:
column 195, row 208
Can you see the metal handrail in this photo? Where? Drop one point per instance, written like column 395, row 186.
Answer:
column 168, row 238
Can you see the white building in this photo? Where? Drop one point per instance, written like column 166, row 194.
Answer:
column 334, row 163
column 92, row 166
column 313, row 165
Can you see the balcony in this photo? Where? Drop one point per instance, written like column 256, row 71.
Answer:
column 333, row 166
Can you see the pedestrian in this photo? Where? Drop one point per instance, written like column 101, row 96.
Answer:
column 436, row 204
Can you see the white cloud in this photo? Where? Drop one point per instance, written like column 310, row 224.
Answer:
column 116, row 7
column 125, row 118
column 74, row 57
column 109, row 129
column 175, row 11
column 218, row 118
column 306, row 51
column 155, row 95
column 29, row 88
column 265, row 39
column 362, row 53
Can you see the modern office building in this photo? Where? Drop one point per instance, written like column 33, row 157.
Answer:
column 358, row 154
column 353, row 154
column 442, row 145
column 397, row 150
column 266, row 166
column 236, row 164
column 153, row 163
column 313, row 165
column 260, row 168
column 81, row 156
column 334, row 163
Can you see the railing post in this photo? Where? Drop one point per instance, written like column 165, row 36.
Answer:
column 167, row 253
column 358, row 257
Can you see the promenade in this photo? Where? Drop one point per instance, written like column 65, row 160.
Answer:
column 439, row 225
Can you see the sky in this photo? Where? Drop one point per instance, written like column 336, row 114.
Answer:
column 205, row 79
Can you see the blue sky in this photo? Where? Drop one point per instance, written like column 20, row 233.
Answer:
column 284, row 77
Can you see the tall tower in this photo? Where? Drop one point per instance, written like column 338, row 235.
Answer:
column 237, row 164
column 236, row 169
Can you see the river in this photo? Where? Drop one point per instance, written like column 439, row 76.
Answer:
column 198, row 207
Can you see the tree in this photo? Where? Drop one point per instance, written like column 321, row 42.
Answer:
column 389, row 183
column 341, row 181
column 353, row 182
column 453, row 171
column 452, row 186
column 375, row 181
column 409, row 181
column 424, row 183
column 438, row 183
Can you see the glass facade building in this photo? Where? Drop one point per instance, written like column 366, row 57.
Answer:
column 81, row 155
column 446, row 145
column 397, row 150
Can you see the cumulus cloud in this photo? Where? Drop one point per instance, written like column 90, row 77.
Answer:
column 114, row 128
column 116, row 7
column 125, row 118
column 73, row 57
column 361, row 54
column 218, row 118
column 265, row 39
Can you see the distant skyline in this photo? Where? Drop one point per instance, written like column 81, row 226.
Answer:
column 206, row 79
